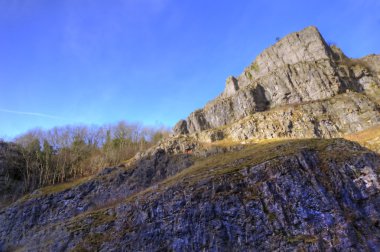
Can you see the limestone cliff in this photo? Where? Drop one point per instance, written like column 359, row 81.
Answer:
column 298, row 70
column 232, row 178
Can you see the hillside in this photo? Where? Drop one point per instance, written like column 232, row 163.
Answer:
column 264, row 166
column 310, row 194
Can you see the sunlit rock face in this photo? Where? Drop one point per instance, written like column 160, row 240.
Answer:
column 260, row 168
column 298, row 70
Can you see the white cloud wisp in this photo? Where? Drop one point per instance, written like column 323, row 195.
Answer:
column 29, row 113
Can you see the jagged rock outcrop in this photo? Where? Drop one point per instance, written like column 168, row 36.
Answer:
column 373, row 63
column 215, row 187
column 343, row 114
column 231, row 86
column 300, row 68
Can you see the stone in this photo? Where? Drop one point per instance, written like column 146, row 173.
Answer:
column 298, row 70
column 181, row 127
column 300, row 195
column 306, row 45
column 305, row 190
column 231, row 86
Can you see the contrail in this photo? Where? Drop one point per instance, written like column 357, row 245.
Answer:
column 30, row 114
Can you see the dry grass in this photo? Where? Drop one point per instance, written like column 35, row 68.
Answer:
column 350, row 62
column 369, row 138
column 55, row 188
column 250, row 155
column 303, row 239
column 63, row 186
column 85, row 223
column 225, row 163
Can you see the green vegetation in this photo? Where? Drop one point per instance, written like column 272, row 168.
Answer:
column 255, row 67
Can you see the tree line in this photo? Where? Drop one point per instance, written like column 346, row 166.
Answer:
column 65, row 153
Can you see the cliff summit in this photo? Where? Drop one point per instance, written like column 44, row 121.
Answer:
column 300, row 72
column 262, row 167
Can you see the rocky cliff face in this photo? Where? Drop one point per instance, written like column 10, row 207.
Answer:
column 301, row 194
column 299, row 69
column 334, row 117
column 215, row 186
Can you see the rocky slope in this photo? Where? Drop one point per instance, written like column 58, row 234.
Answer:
column 305, row 194
column 215, row 186
column 302, row 70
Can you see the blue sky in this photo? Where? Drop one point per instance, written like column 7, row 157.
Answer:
column 149, row 61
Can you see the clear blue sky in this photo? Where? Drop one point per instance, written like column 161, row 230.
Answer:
column 151, row 61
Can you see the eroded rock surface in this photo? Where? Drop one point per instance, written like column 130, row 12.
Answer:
column 213, row 187
column 306, row 194
column 345, row 113
column 299, row 69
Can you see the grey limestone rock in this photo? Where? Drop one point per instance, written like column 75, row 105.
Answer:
column 299, row 69
column 304, row 46
column 181, row 127
column 343, row 114
column 231, row 86
column 190, row 194
column 373, row 62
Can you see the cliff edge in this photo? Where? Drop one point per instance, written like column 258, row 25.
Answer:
column 258, row 168
column 301, row 71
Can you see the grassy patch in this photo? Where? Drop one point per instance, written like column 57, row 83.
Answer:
column 93, row 241
column 369, row 138
column 255, row 67
column 354, row 62
column 87, row 220
column 85, row 223
column 55, row 188
column 303, row 239
column 63, row 186
column 250, row 155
